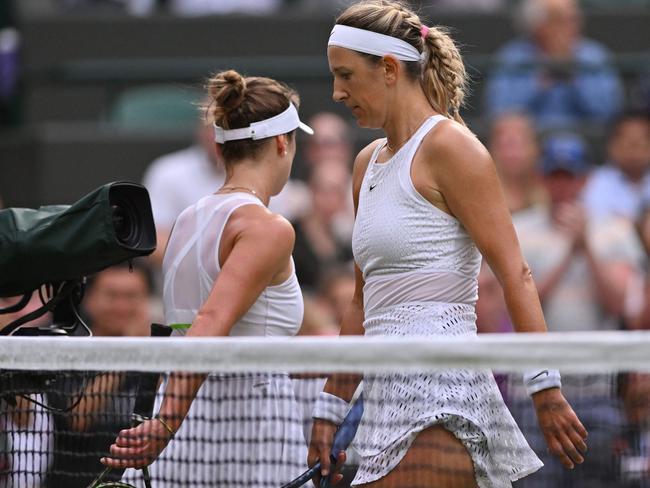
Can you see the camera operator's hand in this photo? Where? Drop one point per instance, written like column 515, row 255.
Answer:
column 138, row 447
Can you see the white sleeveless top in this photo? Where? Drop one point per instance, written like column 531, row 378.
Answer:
column 421, row 279
column 407, row 249
column 191, row 265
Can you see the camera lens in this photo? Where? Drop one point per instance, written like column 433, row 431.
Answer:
column 131, row 216
column 125, row 223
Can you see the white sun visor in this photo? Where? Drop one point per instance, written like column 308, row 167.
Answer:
column 282, row 123
column 369, row 42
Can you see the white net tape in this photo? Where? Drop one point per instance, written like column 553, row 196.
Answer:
column 570, row 352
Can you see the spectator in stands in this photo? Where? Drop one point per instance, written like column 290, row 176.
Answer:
column 211, row 7
column 336, row 290
column 582, row 269
column 617, row 188
column 515, row 149
column 324, row 234
column 174, row 181
column 118, row 301
column 633, row 446
column 177, row 180
column 555, row 74
column 581, row 266
column 117, row 304
column 637, row 296
column 331, row 140
column 468, row 5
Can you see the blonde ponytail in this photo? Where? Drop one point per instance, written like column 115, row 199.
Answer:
column 444, row 79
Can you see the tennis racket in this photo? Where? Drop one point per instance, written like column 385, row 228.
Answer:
column 99, row 483
column 342, row 440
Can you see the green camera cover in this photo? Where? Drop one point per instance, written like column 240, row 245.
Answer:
column 59, row 243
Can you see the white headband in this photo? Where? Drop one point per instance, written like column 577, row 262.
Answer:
column 370, row 42
column 278, row 124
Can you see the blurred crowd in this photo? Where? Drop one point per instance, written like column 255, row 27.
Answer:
column 262, row 7
column 581, row 208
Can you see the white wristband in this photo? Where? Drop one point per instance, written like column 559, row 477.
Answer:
column 541, row 379
column 330, row 407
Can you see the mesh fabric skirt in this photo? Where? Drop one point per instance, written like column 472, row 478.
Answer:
column 465, row 402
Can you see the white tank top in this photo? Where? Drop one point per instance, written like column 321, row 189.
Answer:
column 407, row 249
column 191, row 265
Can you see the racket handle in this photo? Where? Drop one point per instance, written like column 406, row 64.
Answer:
column 303, row 478
column 100, row 478
column 146, row 477
column 325, row 480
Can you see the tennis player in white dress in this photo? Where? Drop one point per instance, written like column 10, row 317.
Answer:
column 228, row 271
column 428, row 204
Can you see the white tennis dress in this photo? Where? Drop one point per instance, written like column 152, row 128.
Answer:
column 420, row 269
column 242, row 430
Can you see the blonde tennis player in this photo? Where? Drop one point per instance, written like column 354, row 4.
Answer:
column 428, row 204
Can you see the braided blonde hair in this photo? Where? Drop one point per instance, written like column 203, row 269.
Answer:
column 442, row 73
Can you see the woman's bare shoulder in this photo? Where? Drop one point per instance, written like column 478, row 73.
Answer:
column 450, row 146
column 258, row 222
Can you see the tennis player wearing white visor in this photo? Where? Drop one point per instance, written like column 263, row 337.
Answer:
column 228, row 272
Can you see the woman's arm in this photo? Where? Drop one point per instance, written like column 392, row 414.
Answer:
column 462, row 169
column 261, row 245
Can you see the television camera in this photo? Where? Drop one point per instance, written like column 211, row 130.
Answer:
column 50, row 251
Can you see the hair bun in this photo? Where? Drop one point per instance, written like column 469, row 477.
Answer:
column 228, row 90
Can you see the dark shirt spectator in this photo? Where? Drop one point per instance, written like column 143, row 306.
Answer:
column 82, row 436
column 324, row 234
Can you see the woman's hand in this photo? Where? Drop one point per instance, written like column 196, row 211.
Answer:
column 564, row 433
column 138, row 447
column 322, row 436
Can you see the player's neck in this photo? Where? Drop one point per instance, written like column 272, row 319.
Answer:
column 406, row 117
column 249, row 180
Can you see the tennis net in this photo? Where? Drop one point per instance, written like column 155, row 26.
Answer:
column 64, row 401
